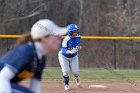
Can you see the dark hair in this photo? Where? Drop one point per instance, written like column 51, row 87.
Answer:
column 24, row 39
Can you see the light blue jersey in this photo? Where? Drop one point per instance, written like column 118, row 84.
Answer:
column 68, row 44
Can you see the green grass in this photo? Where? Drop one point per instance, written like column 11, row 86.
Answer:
column 95, row 75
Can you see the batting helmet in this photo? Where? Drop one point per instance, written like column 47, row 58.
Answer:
column 71, row 28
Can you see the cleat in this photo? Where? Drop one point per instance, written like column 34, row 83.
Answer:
column 77, row 80
column 67, row 87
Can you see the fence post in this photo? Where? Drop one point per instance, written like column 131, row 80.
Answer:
column 114, row 61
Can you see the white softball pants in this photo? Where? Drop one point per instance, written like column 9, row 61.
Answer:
column 69, row 65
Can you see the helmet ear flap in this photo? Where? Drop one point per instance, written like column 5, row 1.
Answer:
column 70, row 33
column 78, row 31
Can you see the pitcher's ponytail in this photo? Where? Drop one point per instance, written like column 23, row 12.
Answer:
column 24, row 39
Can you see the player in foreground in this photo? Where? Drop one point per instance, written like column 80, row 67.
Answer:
column 68, row 55
column 27, row 59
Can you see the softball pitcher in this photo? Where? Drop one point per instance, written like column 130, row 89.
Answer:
column 68, row 55
column 27, row 59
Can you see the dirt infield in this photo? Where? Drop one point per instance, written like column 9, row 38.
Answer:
column 113, row 88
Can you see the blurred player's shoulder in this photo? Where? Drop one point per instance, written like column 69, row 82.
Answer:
column 26, row 46
column 25, row 49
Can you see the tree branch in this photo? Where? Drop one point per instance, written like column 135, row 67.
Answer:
column 26, row 17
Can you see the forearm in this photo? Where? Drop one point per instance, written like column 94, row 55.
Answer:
column 5, row 76
column 35, row 85
column 5, row 86
column 74, row 50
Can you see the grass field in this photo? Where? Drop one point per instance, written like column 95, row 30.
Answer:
column 95, row 75
column 118, row 81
